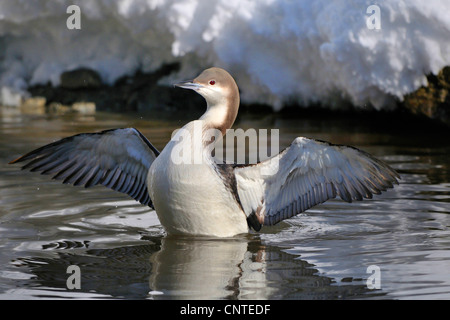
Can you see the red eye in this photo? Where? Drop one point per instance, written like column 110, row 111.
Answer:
column 212, row 82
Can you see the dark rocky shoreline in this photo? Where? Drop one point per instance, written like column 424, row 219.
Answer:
column 433, row 100
column 81, row 90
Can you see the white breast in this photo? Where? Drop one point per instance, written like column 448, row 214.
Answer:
column 191, row 198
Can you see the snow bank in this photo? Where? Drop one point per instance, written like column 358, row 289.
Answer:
column 307, row 51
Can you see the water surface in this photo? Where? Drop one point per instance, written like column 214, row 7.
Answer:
column 324, row 253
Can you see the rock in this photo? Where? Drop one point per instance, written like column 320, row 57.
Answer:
column 34, row 105
column 138, row 92
column 82, row 78
column 432, row 101
column 84, row 107
column 58, row 108
column 8, row 97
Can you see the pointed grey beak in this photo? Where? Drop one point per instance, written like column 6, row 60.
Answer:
column 188, row 85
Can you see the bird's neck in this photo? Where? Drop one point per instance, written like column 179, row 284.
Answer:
column 221, row 114
column 197, row 139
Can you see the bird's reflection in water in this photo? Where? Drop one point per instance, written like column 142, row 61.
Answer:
column 185, row 268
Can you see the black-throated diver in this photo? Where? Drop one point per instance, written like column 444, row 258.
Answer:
column 208, row 198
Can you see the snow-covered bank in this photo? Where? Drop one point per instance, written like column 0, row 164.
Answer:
column 307, row 51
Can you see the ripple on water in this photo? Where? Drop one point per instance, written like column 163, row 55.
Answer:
column 124, row 252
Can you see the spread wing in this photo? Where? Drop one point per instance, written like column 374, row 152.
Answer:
column 118, row 159
column 305, row 174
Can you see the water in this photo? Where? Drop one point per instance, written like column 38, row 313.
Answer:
column 325, row 253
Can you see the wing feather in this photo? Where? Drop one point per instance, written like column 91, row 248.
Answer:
column 118, row 159
column 307, row 173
